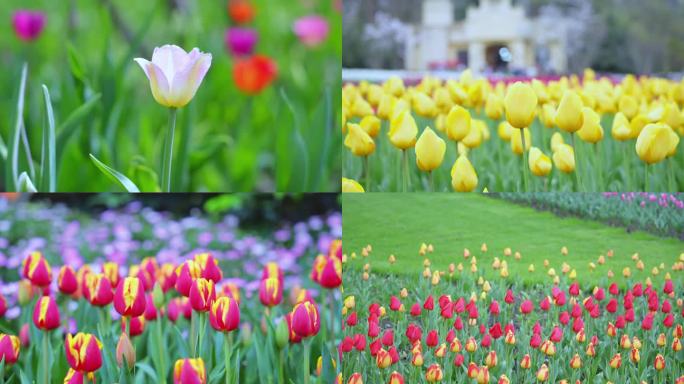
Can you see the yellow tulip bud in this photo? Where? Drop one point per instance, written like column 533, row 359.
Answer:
column 385, row 106
column 458, row 123
column 521, row 105
column 637, row 125
column 351, row 186
column 564, row 158
column 430, row 150
column 540, row 164
column 569, row 115
column 403, row 131
column 463, row 175
column 494, row 106
column 424, row 105
column 591, row 131
column 360, row 107
column 516, row 141
column 556, row 141
column 548, row 116
column 628, row 106
column 505, row 131
column 394, row 86
column 443, row 99
column 371, row 124
column 476, row 135
column 358, row 141
column 654, row 143
column 621, row 130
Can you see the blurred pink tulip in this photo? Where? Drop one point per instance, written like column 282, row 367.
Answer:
column 312, row 30
column 28, row 25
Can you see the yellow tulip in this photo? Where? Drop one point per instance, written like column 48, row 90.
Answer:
column 458, row 123
column 564, row 158
column 521, row 105
column 475, row 136
column 569, row 115
column 430, row 150
column 621, row 130
column 548, row 115
column 540, row 164
column 540, row 90
column 424, row 105
column 394, row 86
column 628, row 106
column 361, row 108
column 358, row 141
column 674, row 142
column 463, row 175
column 385, row 106
column 403, row 131
column 591, row 131
column 443, row 99
column 505, row 131
column 494, row 106
column 654, row 143
column 374, row 94
column 556, row 140
column 351, row 186
column 516, row 141
column 371, row 124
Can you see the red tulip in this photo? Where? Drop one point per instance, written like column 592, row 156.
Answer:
column 388, row 338
column 151, row 311
column 46, row 314
column 252, row 75
column 347, row 344
column 413, row 332
column 76, row 377
column 647, row 323
column 209, row 268
column 458, row 324
column 432, row 339
column 458, row 360
column 331, row 274
column 429, row 303
column 37, row 270
column 526, row 307
column 535, row 341
column 352, row 320
column 669, row 320
column 544, row 305
column 270, row 292
column 564, row 317
column 185, row 274
column 111, row 271
column 395, row 304
column 396, row 378
column 305, row 319
column 556, row 334
column 202, row 294
column 494, row 308
column 129, row 299
column 189, row 371
column 359, row 342
column 9, row 348
column 224, row 315
column 613, row 289
column 167, row 277
column 83, row 352
column 495, row 331
column 66, row 280
column 373, row 329
column 375, row 347
column 99, row 291
column 136, row 325
column 231, row 290
column 509, row 299
column 667, row 307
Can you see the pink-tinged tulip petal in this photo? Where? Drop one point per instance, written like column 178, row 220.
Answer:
column 241, row 41
column 28, row 25
column 175, row 75
column 73, row 377
column 312, row 30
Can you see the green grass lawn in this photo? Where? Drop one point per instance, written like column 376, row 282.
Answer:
column 398, row 223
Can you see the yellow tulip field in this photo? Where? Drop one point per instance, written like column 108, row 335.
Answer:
column 578, row 133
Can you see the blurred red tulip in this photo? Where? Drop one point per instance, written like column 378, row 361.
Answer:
column 224, row 315
column 189, row 371
column 202, row 294
column 305, row 319
column 83, row 352
column 252, row 75
column 136, row 325
column 241, row 11
column 99, row 292
column 46, row 314
column 129, row 299
column 66, row 280
column 270, row 292
column 9, row 348
column 36, row 269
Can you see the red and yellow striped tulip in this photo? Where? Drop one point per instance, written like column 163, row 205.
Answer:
column 270, row 292
column 434, row 373
column 67, row 281
column 9, row 348
column 185, row 274
column 46, row 314
column 99, row 290
column 83, row 352
column 189, row 371
column 37, row 270
column 306, row 321
column 129, row 299
column 224, row 315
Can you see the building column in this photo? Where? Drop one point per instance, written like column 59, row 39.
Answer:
column 519, row 53
column 559, row 60
column 476, row 57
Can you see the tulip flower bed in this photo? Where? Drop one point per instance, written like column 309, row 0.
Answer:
column 171, row 95
column 660, row 214
column 217, row 304
column 580, row 134
column 463, row 328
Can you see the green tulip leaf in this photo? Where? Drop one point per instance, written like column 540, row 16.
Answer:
column 115, row 175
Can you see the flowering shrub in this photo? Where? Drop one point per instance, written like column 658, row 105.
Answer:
column 456, row 326
column 661, row 214
column 138, row 295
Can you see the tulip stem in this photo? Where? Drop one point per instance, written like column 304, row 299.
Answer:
column 646, row 178
column 368, row 174
column 281, row 367
column 201, row 333
column 160, row 346
column 404, row 160
column 431, row 176
column 331, row 301
column 671, row 178
column 524, row 165
column 45, row 361
column 574, row 154
column 168, row 151
column 228, row 352
column 193, row 334
column 306, row 343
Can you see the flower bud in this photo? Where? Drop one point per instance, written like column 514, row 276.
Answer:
column 46, row 314
column 125, row 352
